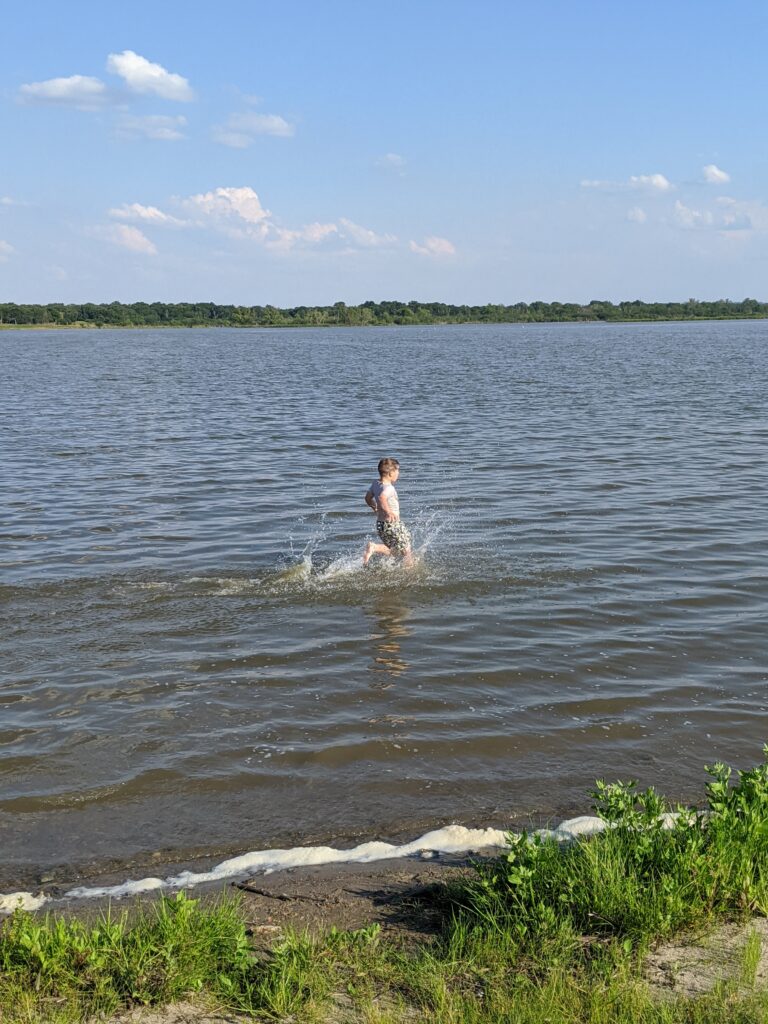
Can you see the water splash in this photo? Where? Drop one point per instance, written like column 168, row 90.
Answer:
column 313, row 567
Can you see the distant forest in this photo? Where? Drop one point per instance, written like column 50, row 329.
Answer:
column 210, row 314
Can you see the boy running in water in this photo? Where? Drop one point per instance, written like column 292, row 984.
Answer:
column 381, row 496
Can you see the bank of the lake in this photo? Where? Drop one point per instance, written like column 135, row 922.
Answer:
column 658, row 917
column 397, row 322
column 371, row 314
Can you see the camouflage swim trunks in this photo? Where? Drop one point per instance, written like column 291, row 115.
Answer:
column 395, row 535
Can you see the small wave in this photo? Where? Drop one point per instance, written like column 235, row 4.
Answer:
column 452, row 839
column 226, row 586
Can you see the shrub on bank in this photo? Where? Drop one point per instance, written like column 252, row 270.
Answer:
column 654, row 870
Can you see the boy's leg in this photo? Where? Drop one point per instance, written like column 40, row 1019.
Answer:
column 404, row 545
column 372, row 548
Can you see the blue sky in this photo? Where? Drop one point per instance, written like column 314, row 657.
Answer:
column 305, row 152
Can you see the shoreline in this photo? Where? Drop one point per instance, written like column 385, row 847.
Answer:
column 600, row 924
column 367, row 326
column 170, row 860
column 310, row 898
column 148, row 877
column 151, row 877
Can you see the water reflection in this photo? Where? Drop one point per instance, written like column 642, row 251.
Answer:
column 391, row 614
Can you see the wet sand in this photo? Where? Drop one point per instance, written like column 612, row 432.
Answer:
column 401, row 894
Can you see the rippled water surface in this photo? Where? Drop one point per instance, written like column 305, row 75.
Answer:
column 192, row 655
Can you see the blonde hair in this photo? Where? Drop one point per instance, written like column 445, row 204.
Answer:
column 388, row 466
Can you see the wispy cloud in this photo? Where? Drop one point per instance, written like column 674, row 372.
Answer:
column 6, row 251
column 85, row 92
column 128, row 237
column 241, row 130
column 79, row 91
column 637, row 215
column 147, row 214
column 238, row 212
column 655, row 182
column 644, row 182
column 713, row 175
column 284, row 239
column 393, row 162
column 741, row 216
column 435, row 247
column 364, row 237
column 687, row 217
column 162, row 127
column 142, row 76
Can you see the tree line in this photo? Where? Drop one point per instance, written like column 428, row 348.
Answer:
column 211, row 314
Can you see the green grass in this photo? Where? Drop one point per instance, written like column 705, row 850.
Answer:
column 543, row 933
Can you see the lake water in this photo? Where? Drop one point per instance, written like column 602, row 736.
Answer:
column 591, row 507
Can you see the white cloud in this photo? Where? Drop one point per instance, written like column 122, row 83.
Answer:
column 742, row 215
column 433, row 246
column 655, row 182
column 236, row 140
column 148, row 214
column 142, row 76
column 317, row 232
column 713, row 175
column 686, row 217
column 130, row 238
column 241, row 202
column 286, row 238
column 152, row 126
column 364, row 237
column 393, row 162
column 80, row 91
column 644, row 182
column 637, row 215
column 241, row 130
column 6, row 250
column 238, row 204
column 239, row 213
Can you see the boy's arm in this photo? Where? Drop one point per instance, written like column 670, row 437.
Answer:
column 370, row 501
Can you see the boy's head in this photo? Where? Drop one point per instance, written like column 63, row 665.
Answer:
column 388, row 468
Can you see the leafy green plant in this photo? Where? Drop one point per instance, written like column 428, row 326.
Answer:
column 653, row 870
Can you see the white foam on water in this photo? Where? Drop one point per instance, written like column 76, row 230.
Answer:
column 21, row 901
column 450, row 839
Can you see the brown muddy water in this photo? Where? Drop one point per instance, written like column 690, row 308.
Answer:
column 193, row 657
